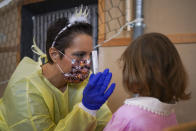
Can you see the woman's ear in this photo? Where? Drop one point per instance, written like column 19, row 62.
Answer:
column 54, row 55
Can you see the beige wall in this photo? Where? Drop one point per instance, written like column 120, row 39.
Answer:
column 109, row 58
column 168, row 17
column 186, row 109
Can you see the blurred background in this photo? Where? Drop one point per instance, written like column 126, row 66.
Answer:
column 23, row 20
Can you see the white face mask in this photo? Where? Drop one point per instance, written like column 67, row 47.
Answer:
column 79, row 72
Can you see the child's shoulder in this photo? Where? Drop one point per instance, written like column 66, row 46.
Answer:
column 125, row 111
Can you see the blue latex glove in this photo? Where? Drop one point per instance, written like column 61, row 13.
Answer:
column 95, row 94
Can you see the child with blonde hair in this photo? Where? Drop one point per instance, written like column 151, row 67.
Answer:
column 152, row 70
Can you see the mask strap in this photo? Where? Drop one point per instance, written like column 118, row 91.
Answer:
column 72, row 60
column 65, row 74
column 60, row 68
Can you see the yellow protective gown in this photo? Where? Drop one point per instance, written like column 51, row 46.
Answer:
column 31, row 103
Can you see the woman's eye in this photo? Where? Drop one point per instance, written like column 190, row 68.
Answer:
column 79, row 55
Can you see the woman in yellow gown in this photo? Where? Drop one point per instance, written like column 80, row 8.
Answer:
column 58, row 95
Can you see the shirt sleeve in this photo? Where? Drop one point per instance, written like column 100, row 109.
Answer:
column 25, row 109
column 117, row 123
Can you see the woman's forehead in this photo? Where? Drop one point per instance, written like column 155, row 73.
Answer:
column 82, row 42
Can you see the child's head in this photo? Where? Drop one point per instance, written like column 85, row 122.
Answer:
column 152, row 67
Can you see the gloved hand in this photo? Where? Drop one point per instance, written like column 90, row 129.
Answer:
column 95, row 94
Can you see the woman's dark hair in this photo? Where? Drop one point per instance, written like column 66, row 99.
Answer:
column 64, row 40
column 152, row 67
